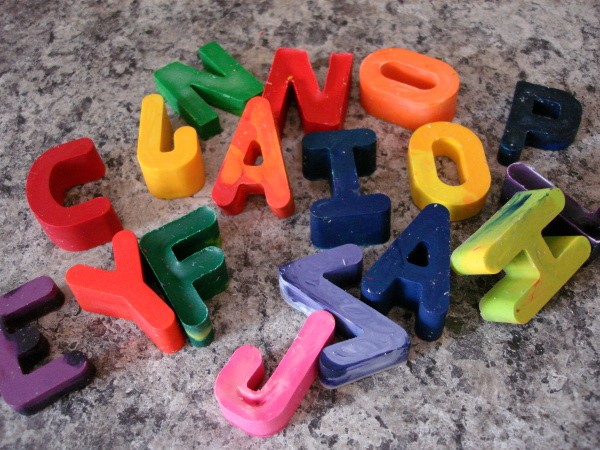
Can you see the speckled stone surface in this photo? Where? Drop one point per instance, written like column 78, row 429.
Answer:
column 74, row 69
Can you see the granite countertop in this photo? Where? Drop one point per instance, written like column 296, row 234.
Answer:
column 81, row 69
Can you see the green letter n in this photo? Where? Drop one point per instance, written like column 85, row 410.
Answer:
column 225, row 85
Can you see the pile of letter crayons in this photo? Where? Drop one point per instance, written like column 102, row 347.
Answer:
column 411, row 90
